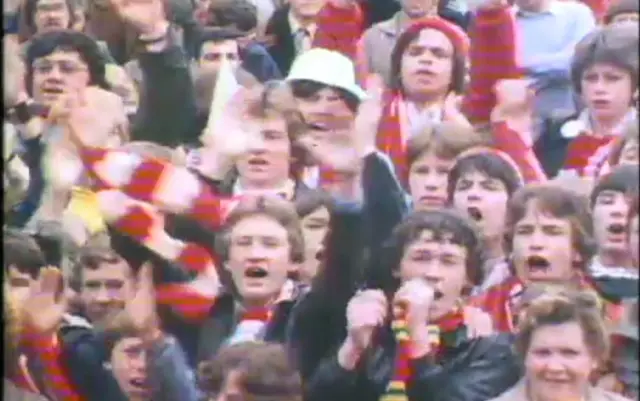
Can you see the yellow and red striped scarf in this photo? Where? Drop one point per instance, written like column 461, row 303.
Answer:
column 397, row 387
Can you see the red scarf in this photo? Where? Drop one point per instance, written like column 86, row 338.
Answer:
column 449, row 324
column 389, row 139
column 502, row 300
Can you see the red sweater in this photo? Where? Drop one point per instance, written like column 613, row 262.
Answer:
column 493, row 56
column 339, row 29
column 48, row 352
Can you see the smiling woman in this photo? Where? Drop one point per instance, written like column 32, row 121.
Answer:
column 562, row 339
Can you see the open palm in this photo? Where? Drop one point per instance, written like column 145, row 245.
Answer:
column 44, row 308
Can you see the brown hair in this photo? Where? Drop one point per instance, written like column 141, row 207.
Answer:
column 447, row 224
column 275, row 207
column 93, row 254
column 266, row 372
column 115, row 327
column 446, row 139
column 631, row 134
column 582, row 307
column 454, row 34
column 614, row 44
column 560, row 203
column 276, row 99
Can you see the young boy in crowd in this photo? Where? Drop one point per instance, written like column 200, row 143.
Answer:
column 548, row 239
column 431, row 154
column 579, row 146
column 411, row 313
column 611, row 271
column 610, row 211
column 480, row 186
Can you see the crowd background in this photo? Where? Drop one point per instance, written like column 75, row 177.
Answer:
column 319, row 200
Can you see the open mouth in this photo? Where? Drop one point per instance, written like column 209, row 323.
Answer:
column 474, row 213
column 616, row 228
column 537, row 263
column 258, row 162
column 256, row 272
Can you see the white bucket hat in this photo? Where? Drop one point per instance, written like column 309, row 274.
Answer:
column 326, row 67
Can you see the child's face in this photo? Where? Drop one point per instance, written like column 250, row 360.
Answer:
column 607, row 91
column 610, row 222
column 129, row 367
column 442, row 264
column 542, row 246
column 428, row 181
column 483, row 199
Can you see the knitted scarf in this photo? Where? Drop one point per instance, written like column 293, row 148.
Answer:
column 134, row 191
column 444, row 332
column 390, row 139
column 502, row 301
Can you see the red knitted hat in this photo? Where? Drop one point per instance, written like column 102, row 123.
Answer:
column 453, row 32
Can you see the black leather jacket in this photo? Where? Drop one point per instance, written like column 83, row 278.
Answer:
column 471, row 370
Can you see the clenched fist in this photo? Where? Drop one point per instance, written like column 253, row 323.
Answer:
column 366, row 311
column 414, row 298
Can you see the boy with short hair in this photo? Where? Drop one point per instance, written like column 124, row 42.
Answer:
column 549, row 239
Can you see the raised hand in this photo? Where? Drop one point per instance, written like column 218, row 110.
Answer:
column 366, row 311
column 142, row 307
column 43, row 310
column 92, row 116
column 451, row 111
column 147, row 16
column 478, row 322
column 514, row 105
column 369, row 113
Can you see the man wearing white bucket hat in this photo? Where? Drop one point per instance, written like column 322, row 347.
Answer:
column 324, row 84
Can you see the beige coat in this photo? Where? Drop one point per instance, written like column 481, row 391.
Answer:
column 518, row 393
column 375, row 47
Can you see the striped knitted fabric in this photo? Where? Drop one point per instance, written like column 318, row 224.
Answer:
column 137, row 189
column 444, row 328
column 48, row 352
column 142, row 222
column 170, row 188
column 397, row 388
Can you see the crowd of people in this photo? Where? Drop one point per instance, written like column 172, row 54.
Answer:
column 321, row 200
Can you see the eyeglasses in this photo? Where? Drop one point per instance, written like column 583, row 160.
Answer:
column 66, row 67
